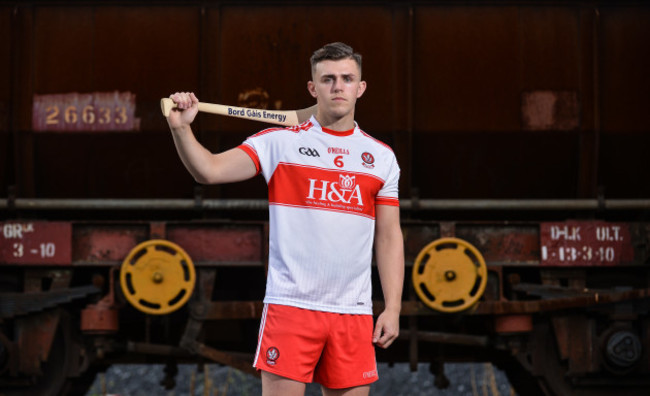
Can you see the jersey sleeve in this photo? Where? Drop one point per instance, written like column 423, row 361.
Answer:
column 389, row 193
column 261, row 148
column 250, row 150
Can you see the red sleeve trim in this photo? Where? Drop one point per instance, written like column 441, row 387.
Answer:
column 387, row 201
column 253, row 154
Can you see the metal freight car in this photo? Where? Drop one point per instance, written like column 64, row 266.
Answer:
column 521, row 129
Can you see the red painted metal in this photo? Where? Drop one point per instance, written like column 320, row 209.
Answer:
column 585, row 243
column 35, row 243
column 222, row 244
column 99, row 319
column 103, row 317
column 106, row 243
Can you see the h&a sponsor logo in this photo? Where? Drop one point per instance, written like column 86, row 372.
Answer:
column 370, row 374
column 308, row 151
column 272, row 355
column 346, row 190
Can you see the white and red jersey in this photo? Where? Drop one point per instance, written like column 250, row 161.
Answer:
column 323, row 189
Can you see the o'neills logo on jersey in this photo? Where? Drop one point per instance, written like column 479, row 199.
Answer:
column 338, row 151
column 345, row 190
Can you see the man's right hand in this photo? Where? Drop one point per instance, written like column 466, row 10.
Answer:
column 187, row 105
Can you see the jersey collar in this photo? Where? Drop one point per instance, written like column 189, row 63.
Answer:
column 333, row 132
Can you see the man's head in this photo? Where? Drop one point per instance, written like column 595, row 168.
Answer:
column 334, row 51
column 336, row 84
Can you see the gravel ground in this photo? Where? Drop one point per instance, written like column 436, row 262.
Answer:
column 475, row 379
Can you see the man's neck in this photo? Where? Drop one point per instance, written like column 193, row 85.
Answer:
column 336, row 124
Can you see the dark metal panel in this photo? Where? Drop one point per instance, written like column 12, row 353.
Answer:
column 63, row 47
column 495, row 165
column 135, row 49
column 110, row 165
column 5, row 73
column 23, row 56
column 467, row 73
column 625, row 61
column 549, row 39
column 150, row 51
column 6, row 146
column 267, row 48
column 624, row 163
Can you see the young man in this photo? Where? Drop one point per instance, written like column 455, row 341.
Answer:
column 332, row 194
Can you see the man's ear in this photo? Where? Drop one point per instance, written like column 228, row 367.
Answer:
column 361, row 89
column 311, row 87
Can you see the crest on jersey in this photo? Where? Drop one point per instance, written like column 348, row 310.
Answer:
column 272, row 355
column 368, row 160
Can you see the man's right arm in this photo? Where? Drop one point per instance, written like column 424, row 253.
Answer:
column 206, row 168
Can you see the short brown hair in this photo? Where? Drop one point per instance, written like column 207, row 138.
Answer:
column 334, row 51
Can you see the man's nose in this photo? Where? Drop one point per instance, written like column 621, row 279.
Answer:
column 338, row 85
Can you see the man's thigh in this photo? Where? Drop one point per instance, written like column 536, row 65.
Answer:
column 363, row 390
column 274, row 385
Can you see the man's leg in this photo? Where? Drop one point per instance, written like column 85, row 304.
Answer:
column 363, row 390
column 274, row 385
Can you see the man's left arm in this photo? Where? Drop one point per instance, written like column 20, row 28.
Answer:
column 389, row 253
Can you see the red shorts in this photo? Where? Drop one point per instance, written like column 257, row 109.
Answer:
column 335, row 350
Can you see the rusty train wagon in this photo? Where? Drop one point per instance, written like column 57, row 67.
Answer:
column 521, row 129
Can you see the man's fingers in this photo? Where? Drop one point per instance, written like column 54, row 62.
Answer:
column 386, row 339
column 376, row 336
column 184, row 100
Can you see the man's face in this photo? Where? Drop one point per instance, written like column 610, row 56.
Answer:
column 337, row 85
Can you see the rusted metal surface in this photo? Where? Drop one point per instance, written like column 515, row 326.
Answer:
column 239, row 361
column 106, row 243
column 157, row 349
column 245, row 243
column 587, row 299
column 227, row 244
column 507, row 324
column 103, row 317
column 503, row 243
column 228, row 310
column 34, row 338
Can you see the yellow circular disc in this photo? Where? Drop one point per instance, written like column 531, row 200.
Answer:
column 157, row 277
column 449, row 275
